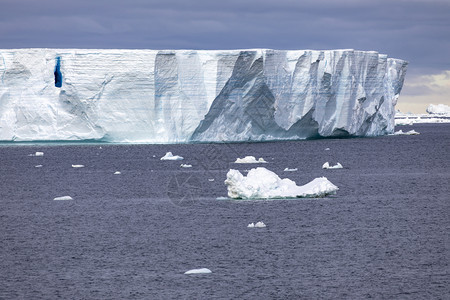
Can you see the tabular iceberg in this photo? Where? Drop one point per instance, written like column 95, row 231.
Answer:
column 179, row 96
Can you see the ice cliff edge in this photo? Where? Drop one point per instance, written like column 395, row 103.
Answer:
column 171, row 96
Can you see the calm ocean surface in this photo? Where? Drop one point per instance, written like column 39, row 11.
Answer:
column 384, row 235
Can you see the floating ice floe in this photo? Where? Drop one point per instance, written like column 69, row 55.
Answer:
column 63, row 198
column 261, row 183
column 336, row 166
column 290, row 170
column 411, row 132
column 257, row 225
column 198, row 271
column 170, row 156
column 38, row 166
column 77, row 166
column 249, row 160
column 185, row 166
column 327, row 149
column 117, row 173
column 211, row 179
column 37, row 154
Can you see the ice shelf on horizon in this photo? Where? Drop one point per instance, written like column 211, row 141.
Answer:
column 182, row 96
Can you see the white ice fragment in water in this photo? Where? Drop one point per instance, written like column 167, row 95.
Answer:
column 400, row 132
column 170, row 156
column 336, row 166
column 117, row 173
column 38, row 166
column 63, row 198
column 37, row 154
column 249, row 160
column 198, row 271
column 257, row 225
column 290, row 170
column 185, row 166
column 327, row 149
column 222, row 198
column 261, row 183
column 211, row 179
column 77, row 166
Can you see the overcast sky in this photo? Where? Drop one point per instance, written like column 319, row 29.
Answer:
column 415, row 30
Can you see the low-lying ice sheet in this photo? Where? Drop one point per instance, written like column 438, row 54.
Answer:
column 261, row 183
column 170, row 156
column 336, row 166
column 198, row 271
column 249, row 160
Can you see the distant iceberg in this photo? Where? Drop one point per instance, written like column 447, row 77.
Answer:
column 261, row 183
column 439, row 109
column 249, row 160
column 170, row 156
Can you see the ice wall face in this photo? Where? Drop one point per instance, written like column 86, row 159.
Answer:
column 188, row 96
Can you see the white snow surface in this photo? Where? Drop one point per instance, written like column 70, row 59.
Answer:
column 249, row 160
column 261, row 183
column 63, row 198
column 198, row 271
column 170, row 156
column 327, row 166
column 181, row 96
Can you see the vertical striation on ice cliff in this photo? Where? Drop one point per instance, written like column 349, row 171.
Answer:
column 172, row 96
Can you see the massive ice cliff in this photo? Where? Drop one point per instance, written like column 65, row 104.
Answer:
column 175, row 96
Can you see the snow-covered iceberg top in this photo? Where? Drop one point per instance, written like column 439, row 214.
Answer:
column 170, row 156
column 249, row 160
column 327, row 166
column 261, row 183
column 183, row 96
column 439, row 109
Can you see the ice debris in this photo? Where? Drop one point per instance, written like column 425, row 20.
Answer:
column 170, row 156
column 257, row 225
column 38, row 166
column 261, row 183
column 210, row 179
column 77, row 166
column 249, row 160
column 290, row 170
column 185, row 166
column 63, row 198
column 198, row 271
column 37, row 154
column 336, row 166
column 411, row 132
column 117, row 173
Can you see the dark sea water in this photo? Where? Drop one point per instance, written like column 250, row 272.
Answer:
column 384, row 235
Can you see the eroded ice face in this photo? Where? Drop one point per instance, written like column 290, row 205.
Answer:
column 187, row 96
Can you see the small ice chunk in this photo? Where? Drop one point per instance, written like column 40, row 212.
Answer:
column 290, row 170
column 327, row 149
column 211, row 179
column 170, row 156
column 257, row 225
column 222, row 198
column 38, row 166
column 153, row 155
column 198, row 271
column 261, row 183
column 185, row 166
column 77, row 166
column 37, row 154
column 117, row 173
column 63, row 198
column 411, row 132
column 336, row 166
column 249, row 160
